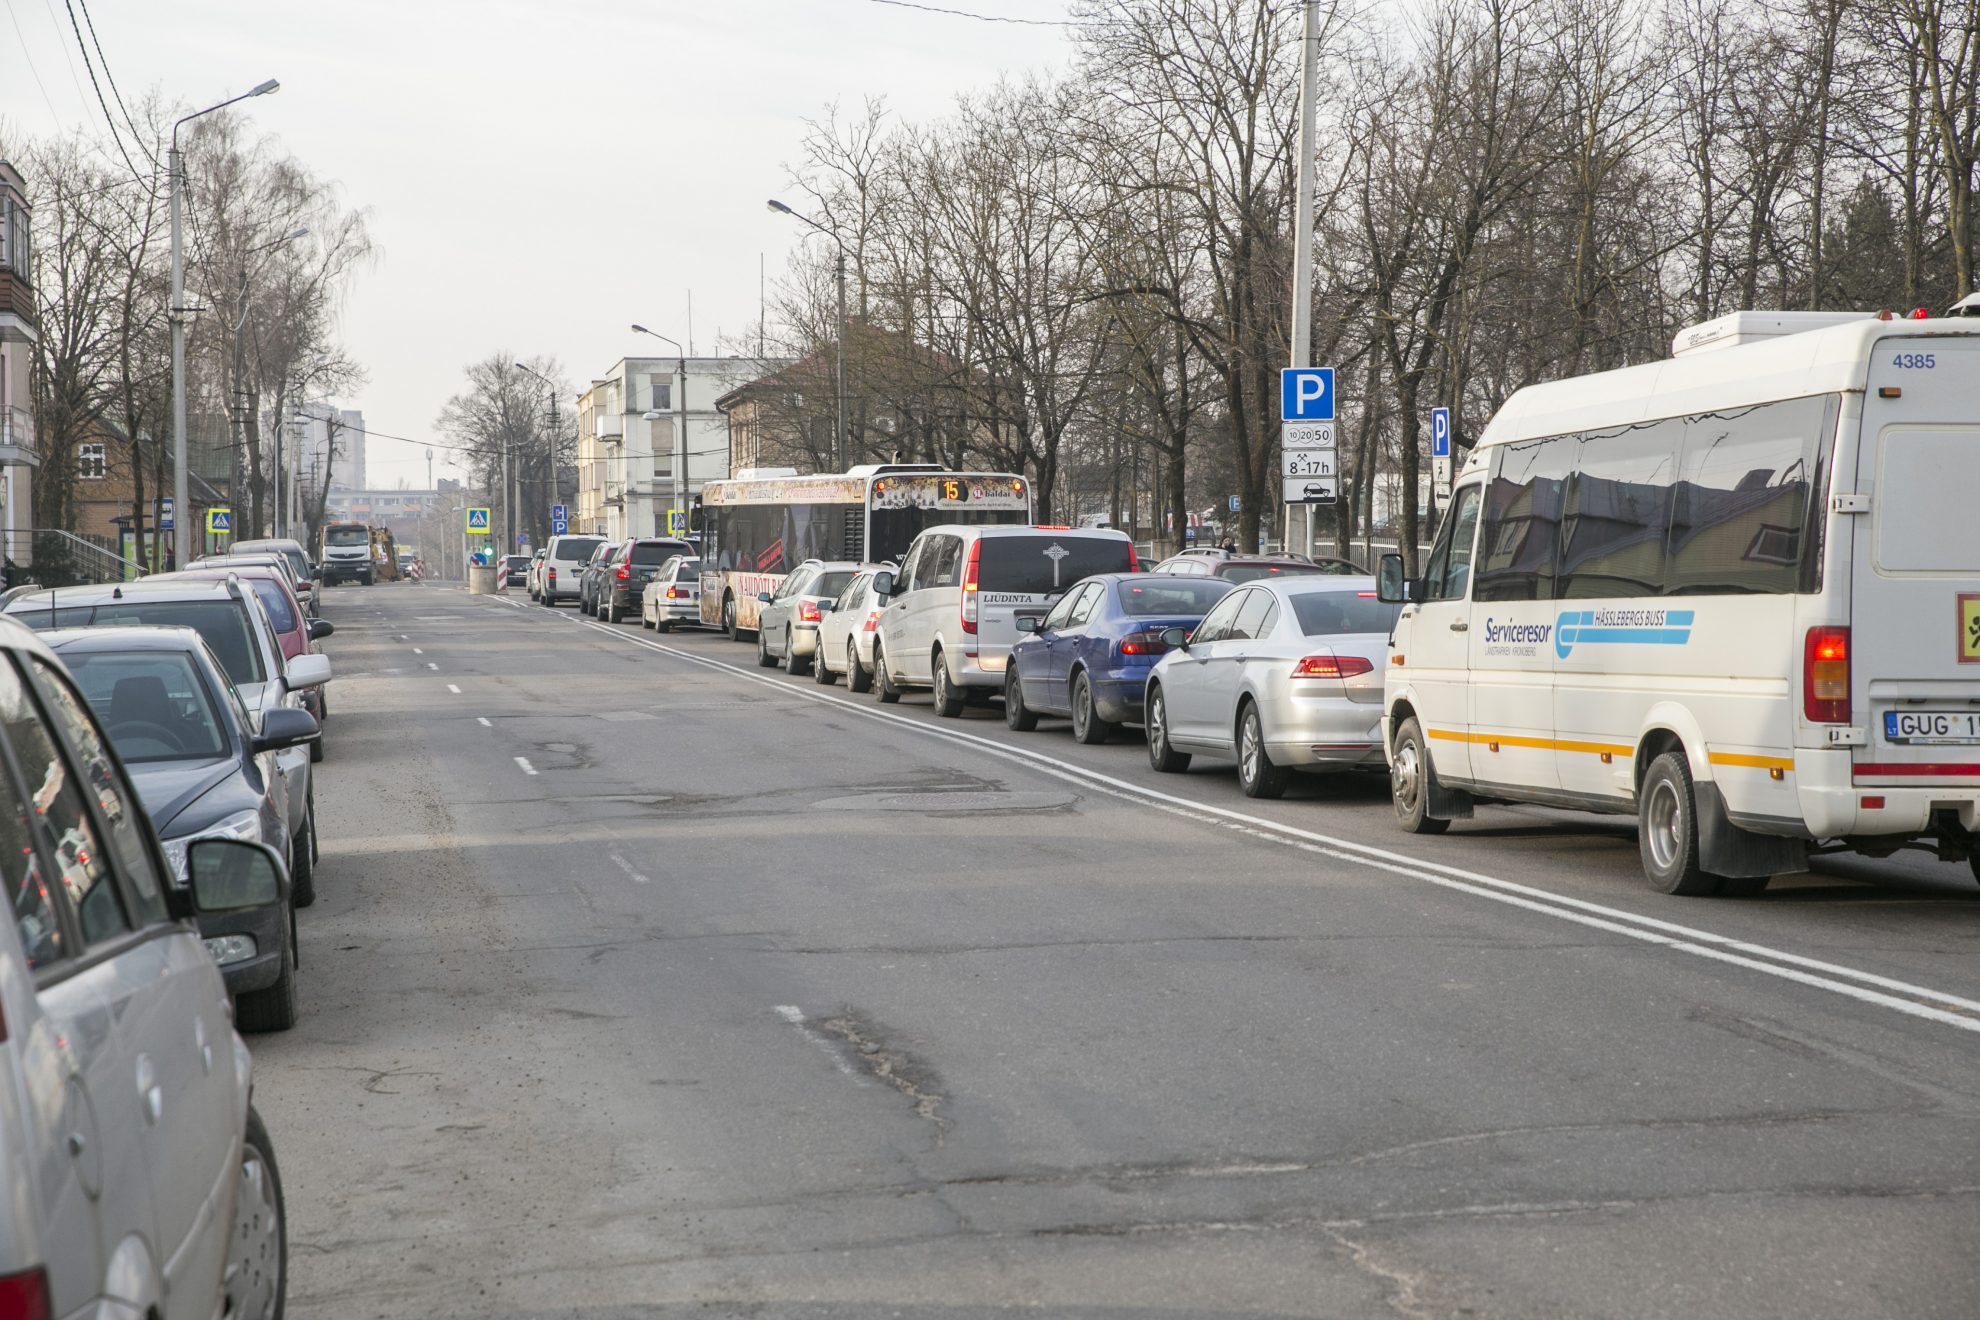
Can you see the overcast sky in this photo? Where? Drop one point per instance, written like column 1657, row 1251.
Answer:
column 538, row 173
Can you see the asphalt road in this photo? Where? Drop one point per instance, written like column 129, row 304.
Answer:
column 644, row 981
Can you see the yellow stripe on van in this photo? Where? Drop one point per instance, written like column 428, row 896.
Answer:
column 1739, row 759
column 1751, row 762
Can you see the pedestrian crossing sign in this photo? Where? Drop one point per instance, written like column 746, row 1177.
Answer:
column 477, row 522
column 219, row 520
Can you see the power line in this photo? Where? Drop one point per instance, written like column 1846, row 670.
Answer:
column 990, row 18
column 108, row 118
column 30, row 61
column 111, row 78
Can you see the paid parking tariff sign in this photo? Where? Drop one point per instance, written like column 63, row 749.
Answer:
column 560, row 520
column 1306, row 440
column 477, row 522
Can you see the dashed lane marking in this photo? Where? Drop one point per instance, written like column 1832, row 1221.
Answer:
column 527, row 768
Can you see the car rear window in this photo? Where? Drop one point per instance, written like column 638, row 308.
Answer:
column 1324, row 613
column 223, row 624
column 1146, row 598
column 655, row 552
column 1045, row 565
column 1252, row 572
column 575, row 547
column 151, row 703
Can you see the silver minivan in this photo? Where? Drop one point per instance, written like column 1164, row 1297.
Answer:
column 960, row 594
column 135, row 1177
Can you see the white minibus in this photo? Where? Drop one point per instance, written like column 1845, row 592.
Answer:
column 1735, row 593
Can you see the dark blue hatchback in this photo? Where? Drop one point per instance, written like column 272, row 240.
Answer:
column 1089, row 657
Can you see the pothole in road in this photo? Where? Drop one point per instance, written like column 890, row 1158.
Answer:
column 891, row 1063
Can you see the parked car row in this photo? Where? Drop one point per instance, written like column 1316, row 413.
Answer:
column 157, row 805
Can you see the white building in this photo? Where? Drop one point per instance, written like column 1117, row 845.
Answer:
column 18, row 455
column 626, row 463
column 327, row 439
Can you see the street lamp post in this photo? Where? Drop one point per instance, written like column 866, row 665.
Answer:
column 842, row 442
column 181, row 507
column 679, row 463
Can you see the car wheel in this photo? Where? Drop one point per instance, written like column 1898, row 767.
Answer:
column 256, row 1280
column 316, row 748
column 763, row 656
column 1018, row 716
column 271, row 1009
column 1411, row 778
column 612, row 610
column 821, row 673
column 1088, row 727
column 857, row 677
column 548, row 599
column 794, row 664
column 1257, row 776
column 1160, row 754
column 948, row 699
column 883, row 686
column 729, row 619
column 302, row 863
column 1667, row 830
column 646, row 620
column 663, row 625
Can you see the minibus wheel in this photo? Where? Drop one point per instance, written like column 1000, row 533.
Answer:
column 1411, row 780
column 1667, row 829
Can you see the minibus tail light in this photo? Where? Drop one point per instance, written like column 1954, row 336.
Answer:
column 969, row 586
column 1825, row 676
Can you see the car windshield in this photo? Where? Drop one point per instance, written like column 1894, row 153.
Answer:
column 832, row 584
column 517, row 561
column 346, row 536
column 1044, row 565
column 152, row 705
column 1324, row 613
column 222, row 624
column 1147, row 597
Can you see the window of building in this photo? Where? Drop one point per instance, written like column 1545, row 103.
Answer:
column 663, row 396
column 92, row 463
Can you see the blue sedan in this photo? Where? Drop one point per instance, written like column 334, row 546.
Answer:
column 1090, row 656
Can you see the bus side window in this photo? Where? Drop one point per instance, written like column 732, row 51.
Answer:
column 1450, row 561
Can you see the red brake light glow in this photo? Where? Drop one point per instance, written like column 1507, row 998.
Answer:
column 24, row 1296
column 1143, row 643
column 1331, row 666
column 1825, row 676
column 1134, row 560
column 807, row 611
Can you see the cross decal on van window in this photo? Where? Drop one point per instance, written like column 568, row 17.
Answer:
column 1055, row 552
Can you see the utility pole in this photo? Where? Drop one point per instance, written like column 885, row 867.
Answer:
column 1302, row 326
column 843, row 446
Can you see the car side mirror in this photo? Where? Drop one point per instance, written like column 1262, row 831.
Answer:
column 286, row 726
column 234, row 875
column 1391, row 587
column 763, row 596
column 1176, row 639
column 1030, row 623
column 827, row 606
column 307, row 671
column 883, row 586
column 320, row 629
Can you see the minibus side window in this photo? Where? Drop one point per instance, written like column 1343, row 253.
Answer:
column 1618, row 511
column 1450, row 562
column 1740, row 519
column 1520, row 545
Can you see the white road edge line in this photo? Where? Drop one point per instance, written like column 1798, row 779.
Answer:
column 628, row 868
column 527, row 768
column 1650, row 930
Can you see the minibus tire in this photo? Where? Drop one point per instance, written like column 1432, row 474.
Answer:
column 1973, row 864
column 1412, row 802
column 948, row 697
column 1667, row 829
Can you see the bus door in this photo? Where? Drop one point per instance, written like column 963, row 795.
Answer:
column 1439, row 654
column 1914, row 639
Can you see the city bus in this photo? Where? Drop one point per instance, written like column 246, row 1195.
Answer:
column 759, row 525
column 1734, row 593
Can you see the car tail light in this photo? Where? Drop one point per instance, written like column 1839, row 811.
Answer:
column 807, row 611
column 1143, row 643
column 872, row 622
column 625, row 571
column 24, row 1296
column 1825, row 676
column 969, row 587
column 553, row 575
column 673, row 594
column 1332, row 666
column 1134, row 560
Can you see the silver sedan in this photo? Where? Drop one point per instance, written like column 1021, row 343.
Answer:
column 1281, row 675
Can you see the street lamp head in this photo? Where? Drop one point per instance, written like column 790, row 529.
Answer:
column 776, row 205
column 300, row 231
column 641, row 330
column 264, row 89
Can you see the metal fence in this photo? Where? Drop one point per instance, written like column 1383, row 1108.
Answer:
column 56, row 558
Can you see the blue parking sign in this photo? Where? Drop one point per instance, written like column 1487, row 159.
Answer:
column 1306, row 394
column 1440, row 433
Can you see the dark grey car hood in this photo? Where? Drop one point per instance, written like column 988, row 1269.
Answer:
column 167, row 788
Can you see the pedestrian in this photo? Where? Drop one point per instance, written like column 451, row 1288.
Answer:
column 9, row 572
column 1230, row 545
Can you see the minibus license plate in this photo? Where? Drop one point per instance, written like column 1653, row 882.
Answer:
column 1932, row 726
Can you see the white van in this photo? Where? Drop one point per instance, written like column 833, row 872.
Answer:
column 563, row 564
column 958, row 597
column 1736, row 593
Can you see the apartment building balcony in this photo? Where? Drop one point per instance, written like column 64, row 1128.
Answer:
column 16, row 308
column 17, row 438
